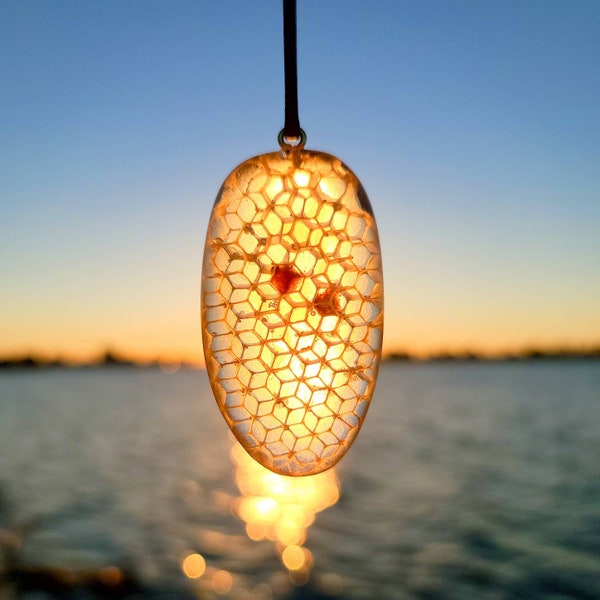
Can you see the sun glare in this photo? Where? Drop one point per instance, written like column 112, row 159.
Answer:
column 281, row 509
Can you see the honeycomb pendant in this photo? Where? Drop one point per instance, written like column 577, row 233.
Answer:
column 292, row 308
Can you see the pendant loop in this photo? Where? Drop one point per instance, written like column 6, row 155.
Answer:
column 287, row 143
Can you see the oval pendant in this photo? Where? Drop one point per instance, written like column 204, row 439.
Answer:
column 292, row 308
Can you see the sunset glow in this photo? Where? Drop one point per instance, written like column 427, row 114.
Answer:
column 474, row 129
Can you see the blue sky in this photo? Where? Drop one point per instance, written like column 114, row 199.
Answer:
column 474, row 126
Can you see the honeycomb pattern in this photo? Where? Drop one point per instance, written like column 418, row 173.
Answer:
column 292, row 301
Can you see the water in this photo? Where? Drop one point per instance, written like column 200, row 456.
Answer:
column 467, row 481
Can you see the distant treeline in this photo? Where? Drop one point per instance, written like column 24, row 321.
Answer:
column 112, row 359
column 107, row 360
column 525, row 355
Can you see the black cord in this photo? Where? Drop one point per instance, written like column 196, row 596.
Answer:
column 291, row 129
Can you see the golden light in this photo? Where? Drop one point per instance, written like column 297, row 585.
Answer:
column 281, row 509
column 294, row 557
column 292, row 301
column 193, row 566
column 222, row 581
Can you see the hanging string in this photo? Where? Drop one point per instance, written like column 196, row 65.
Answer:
column 292, row 134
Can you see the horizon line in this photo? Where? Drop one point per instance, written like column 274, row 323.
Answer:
column 113, row 358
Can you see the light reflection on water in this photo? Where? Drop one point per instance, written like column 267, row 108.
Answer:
column 281, row 509
column 472, row 481
column 273, row 507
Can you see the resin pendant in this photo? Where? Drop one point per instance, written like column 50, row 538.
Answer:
column 292, row 308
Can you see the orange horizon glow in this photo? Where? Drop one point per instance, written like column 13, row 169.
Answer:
column 193, row 358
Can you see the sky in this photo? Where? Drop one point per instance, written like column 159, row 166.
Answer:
column 474, row 127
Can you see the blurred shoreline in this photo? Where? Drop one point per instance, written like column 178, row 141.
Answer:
column 111, row 359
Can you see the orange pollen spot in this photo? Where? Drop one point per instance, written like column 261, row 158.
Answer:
column 327, row 303
column 285, row 278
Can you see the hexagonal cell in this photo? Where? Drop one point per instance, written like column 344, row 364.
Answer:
column 324, row 425
column 239, row 295
column 282, row 209
column 236, row 265
column 277, row 254
column 311, row 207
column 304, row 342
column 251, row 272
column 373, row 339
column 359, row 333
column 249, row 352
column 351, row 420
column 244, row 375
column 325, row 375
column 320, row 410
column 258, row 380
column 297, row 368
column 317, row 446
column 329, row 244
column 273, row 187
column 365, row 284
column 242, row 309
column 301, row 178
column 356, row 226
column 288, row 439
column 234, row 281
column 339, row 219
column 285, row 375
column 234, row 399
column 238, row 414
column 273, row 223
column 246, row 210
column 329, row 326
column 278, row 449
column 258, row 431
column 236, row 346
column 305, row 261
column 344, row 249
column 248, row 241
column 231, row 385
column 224, row 356
column 226, row 288
column 288, row 389
column 296, row 314
column 302, row 444
column 332, row 188
column 350, row 356
column 340, row 377
column 325, row 214
column 334, row 403
column 234, row 222
column 308, row 357
column 250, row 404
column 300, row 232
column 213, row 299
column 360, row 255
column 369, row 311
column 220, row 342
column 312, row 369
column 353, row 302
column 220, row 259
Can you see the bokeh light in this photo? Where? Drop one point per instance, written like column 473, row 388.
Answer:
column 222, row 581
column 281, row 509
column 193, row 565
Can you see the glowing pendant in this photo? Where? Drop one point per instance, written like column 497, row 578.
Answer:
column 292, row 301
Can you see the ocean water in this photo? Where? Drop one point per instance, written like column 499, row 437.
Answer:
column 468, row 481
